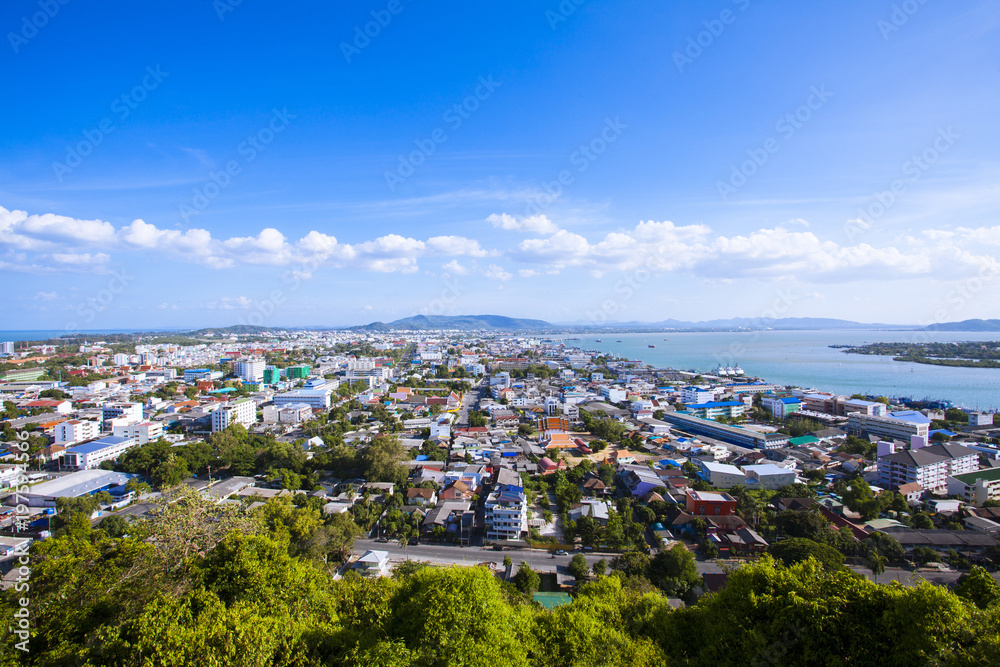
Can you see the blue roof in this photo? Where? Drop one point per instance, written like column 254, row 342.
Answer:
column 790, row 400
column 943, row 431
column 910, row 416
column 422, row 457
column 97, row 445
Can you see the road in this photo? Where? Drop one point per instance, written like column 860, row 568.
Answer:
column 542, row 561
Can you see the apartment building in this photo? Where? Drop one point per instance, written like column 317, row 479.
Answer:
column 506, row 513
column 243, row 411
column 929, row 467
column 250, row 370
column 131, row 412
column 976, row 487
column 142, row 433
column 901, row 425
column 76, row 430
column 314, row 398
column 716, row 409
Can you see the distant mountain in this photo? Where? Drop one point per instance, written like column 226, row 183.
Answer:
column 237, row 329
column 461, row 322
column 735, row 323
column 966, row 325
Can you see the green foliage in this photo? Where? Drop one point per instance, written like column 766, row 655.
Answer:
column 526, row 580
column 978, row 587
column 798, row 549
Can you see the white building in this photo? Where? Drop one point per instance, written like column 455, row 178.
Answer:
column 897, row 425
column 506, row 513
column 142, row 432
column 929, row 467
column 722, row 475
column 251, row 370
column 976, row 487
column 92, row 454
column 692, row 394
column 314, row 398
column 243, row 411
column 768, row 476
column 7, row 347
column 76, row 430
column 129, row 411
column 614, row 394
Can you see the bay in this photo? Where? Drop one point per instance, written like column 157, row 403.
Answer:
column 805, row 359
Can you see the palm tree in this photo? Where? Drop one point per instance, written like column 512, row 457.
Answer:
column 876, row 563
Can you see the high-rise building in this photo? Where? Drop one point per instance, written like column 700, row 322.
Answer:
column 251, row 370
column 297, row 372
column 271, row 375
column 7, row 347
column 243, row 411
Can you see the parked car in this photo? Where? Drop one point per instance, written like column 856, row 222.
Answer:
column 561, row 553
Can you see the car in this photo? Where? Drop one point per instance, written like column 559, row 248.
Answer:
column 382, row 539
column 561, row 553
column 497, row 547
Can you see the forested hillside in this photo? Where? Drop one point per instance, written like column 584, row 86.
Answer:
column 206, row 584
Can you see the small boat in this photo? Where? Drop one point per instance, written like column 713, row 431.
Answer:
column 598, row 341
column 617, row 341
column 652, row 346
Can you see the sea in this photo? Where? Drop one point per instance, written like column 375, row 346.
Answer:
column 47, row 334
column 805, row 359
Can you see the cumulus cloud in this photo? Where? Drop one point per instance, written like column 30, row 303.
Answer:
column 455, row 267
column 494, row 272
column 536, row 224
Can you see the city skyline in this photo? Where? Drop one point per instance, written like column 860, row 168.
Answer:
column 624, row 162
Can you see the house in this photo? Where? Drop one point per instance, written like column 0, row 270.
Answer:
column 594, row 487
column 421, row 496
column 706, row 503
column 547, row 466
column 506, row 512
column 640, row 481
column 457, row 490
column 721, row 475
column 373, row 564
column 912, row 492
column 768, row 476
column 744, row 541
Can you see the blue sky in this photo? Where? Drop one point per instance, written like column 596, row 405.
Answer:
column 190, row 163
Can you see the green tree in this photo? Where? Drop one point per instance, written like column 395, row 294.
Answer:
column 798, row 549
column 600, row 567
column 578, row 567
column 526, row 580
column 978, row 587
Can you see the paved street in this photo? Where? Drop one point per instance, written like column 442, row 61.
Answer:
column 542, row 561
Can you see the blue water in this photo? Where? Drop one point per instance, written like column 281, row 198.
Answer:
column 804, row 359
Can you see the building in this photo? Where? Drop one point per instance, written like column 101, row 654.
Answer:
column 900, row 425
column 614, row 394
column 976, row 487
column 76, row 430
column 373, row 564
column 75, row 485
column 696, row 395
column 243, row 411
column 7, row 347
column 92, row 454
column 142, row 432
column 722, row 475
column 271, row 375
column 768, row 476
column 58, row 406
column 716, row 409
column 707, row 503
column 506, row 513
column 929, row 467
column 297, row 372
column 781, row 407
column 724, row 432
column 195, row 374
column 314, row 398
column 23, row 374
column 132, row 412
column 251, row 370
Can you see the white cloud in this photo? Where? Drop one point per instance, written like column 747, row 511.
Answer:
column 46, row 296
column 495, row 272
column 454, row 267
column 536, row 224
column 80, row 258
column 455, row 246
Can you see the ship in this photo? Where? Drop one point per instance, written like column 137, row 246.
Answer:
column 598, row 341
column 652, row 346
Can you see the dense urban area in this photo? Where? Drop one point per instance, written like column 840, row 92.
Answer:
column 456, row 497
